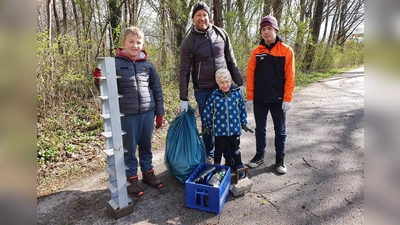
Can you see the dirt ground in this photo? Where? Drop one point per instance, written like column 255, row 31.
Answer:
column 324, row 183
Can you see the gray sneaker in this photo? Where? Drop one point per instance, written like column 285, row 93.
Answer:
column 257, row 160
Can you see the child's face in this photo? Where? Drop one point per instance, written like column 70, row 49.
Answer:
column 268, row 33
column 133, row 45
column 225, row 85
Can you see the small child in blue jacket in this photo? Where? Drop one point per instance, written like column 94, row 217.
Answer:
column 225, row 116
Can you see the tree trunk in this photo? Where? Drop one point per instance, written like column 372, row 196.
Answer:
column 77, row 24
column 316, row 27
column 319, row 9
column 56, row 19
column 351, row 15
column 326, row 18
column 164, row 38
column 217, row 19
column 266, row 8
column 334, row 24
column 65, row 16
column 242, row 20
column 125, row 19
column 49, row 4
column 133, row 11
column 300, row 30
column 115, row 19
column 277, row 6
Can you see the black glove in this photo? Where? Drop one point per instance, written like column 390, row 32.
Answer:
column 205, row 131
column 247, row 129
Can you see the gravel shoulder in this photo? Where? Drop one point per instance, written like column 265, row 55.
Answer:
column 324, row 183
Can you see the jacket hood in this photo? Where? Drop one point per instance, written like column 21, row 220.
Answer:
column 142, row 55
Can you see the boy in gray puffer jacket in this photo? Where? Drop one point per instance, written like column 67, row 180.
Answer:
column 142, row 101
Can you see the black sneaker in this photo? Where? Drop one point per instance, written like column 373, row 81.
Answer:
column 280, row 166
column 257, row 160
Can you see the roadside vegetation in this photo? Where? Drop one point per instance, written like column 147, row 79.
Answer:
column 69, row 126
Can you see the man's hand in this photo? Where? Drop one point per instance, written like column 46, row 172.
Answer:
column 249, row 104
column 286, row 106
column 205, row 131
column 183, row 105
column 247, row 129
column 159, row 121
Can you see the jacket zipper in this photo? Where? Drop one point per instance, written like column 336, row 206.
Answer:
column 227, row 112
column 198, row 74
column 137, row 86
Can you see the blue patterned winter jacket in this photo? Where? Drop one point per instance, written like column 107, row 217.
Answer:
column 225, row 113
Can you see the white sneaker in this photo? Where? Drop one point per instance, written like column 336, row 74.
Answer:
column 280, row 166
column 281, row 169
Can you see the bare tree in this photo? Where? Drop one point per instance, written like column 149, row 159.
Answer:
column 76, row 19
column 351, row 15
column 335, row 19
column 315, row 30
column 328, row 10
column 48, row 8
column 242, row 19
column 115, row 19
column 65, row 15
column 266, row 8
column 300, row 31
column 217, row 9
column 56, row 19
column 277, row 7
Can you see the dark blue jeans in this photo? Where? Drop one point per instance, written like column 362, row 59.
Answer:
column 201, row 96
column 279, row 119
column 139, row 130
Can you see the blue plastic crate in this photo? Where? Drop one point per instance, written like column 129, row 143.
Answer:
column 206, row 197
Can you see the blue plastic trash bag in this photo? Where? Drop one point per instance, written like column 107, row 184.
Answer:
column 184, row 148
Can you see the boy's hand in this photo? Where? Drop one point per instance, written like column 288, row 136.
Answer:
column 247, row 129
column 158, row 121
column 205, row 131
column 249, row 104
column 96, row 74
column 286, row 106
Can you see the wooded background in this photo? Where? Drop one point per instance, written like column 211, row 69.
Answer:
column 71, row 34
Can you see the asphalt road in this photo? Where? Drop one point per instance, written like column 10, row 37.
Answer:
column 324, row 183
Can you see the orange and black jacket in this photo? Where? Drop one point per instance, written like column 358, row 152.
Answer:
column 270, row 74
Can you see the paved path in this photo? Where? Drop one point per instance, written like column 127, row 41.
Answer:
column 324, row 183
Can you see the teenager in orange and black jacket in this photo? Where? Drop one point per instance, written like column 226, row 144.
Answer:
column 270, row 83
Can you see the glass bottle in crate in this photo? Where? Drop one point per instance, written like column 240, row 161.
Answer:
column 215, row 180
